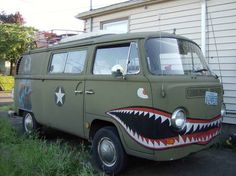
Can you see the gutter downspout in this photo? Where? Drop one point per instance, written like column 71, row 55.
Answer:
column 91, row 19
column 91, row 24
column 203, row 26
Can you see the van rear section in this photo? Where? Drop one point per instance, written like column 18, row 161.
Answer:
column 28, row 83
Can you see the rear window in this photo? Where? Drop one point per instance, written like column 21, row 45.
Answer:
column 24, row 65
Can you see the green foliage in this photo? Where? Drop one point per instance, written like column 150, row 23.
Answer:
column 15, row 40
column 22, row 156
column 12, row 18
column 6, row 83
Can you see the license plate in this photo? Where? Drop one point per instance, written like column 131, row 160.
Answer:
column 211, row 98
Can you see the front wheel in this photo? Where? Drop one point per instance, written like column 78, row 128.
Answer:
column 108, row 152
column 30, row 125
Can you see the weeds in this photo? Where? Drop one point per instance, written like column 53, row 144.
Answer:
column 26, row 156
column 223, row 145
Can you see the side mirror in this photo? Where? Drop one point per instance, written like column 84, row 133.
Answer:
column 117, row 71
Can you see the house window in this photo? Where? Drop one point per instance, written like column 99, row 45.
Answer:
column 118, row 26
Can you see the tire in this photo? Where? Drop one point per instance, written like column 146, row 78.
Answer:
column 30, row 125
column 106, row 141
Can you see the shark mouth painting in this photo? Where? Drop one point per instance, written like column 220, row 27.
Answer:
column 152, row 128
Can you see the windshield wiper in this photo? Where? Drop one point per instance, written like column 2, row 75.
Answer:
column 200, row 70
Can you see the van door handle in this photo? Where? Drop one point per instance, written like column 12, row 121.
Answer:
column 90, row 92
column 78, row 91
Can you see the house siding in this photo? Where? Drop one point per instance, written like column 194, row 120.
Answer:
column 168, row 16
column 185, row 17
column 221, row 48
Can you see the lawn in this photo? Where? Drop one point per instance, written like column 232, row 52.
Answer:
column 29, row 155
column 6, row 108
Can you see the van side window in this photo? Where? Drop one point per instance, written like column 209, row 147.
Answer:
column 75, row 62
column 58, row 63
column 24, row 65
column 133, row 64
column 69, row 62
column 107, row 57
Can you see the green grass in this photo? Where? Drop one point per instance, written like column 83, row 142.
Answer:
column 6, row 108
column 27, row 156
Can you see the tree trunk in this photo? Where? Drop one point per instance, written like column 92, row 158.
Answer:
column 11, row 67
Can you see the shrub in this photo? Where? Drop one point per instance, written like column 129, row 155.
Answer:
column 6, row 83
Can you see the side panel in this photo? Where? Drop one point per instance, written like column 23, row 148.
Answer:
column 63, row 90
column 62, row 106
column 109, row 98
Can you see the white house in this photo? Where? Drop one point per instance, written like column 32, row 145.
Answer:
column 210, row 23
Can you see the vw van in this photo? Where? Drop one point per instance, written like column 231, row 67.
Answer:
column 149, row 95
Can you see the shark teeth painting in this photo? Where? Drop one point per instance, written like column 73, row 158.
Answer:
column 151, row 128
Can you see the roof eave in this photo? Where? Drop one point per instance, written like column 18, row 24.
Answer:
column 115, row 8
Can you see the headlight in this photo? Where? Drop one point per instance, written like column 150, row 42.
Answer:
column 223, row 110
column 178, row 119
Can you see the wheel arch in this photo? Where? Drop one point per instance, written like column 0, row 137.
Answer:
column 98, row 124
column 22, row 112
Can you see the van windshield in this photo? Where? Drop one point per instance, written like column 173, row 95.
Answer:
column 170, row 56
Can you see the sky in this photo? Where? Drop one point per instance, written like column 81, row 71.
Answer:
column 46, row 15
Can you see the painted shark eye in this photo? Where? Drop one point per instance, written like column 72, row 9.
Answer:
column 178, row 119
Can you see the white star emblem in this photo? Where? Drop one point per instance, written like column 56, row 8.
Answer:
column 59, row 95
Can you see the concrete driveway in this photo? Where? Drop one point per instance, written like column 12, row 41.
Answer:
column 210, row 162
column 5, row 98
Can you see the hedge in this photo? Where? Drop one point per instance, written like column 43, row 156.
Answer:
column 6, row 83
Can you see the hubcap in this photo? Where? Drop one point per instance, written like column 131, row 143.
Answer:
column 28, row 123
column 107, row 152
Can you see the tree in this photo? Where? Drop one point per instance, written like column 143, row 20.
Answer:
column 14, row 41
column 12, row 18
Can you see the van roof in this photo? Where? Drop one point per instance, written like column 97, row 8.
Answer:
column 105, row 38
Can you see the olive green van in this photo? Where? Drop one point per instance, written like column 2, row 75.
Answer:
column 149, row 95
